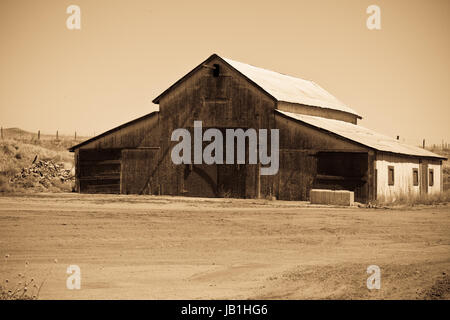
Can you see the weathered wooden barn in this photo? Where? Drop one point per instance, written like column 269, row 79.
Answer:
column 321, row 144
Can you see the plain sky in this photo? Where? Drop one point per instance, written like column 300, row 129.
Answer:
column 129, row 51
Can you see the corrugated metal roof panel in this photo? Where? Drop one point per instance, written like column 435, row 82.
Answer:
column 290, row 89
column 362, row 135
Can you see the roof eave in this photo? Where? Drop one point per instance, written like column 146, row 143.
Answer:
column 325, row 130
column 151, row 114
column 359, row 143
column 315, row 106
column 436, row 157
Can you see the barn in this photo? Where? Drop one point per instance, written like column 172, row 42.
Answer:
column 321, row 145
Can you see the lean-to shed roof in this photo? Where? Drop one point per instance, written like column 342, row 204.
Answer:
column 361, row 135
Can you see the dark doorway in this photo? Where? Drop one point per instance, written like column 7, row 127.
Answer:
column 98, row 170
column 343, row 171
column 222, row 181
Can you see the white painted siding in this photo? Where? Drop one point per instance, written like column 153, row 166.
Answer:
column 436, row 188
column 403, row 177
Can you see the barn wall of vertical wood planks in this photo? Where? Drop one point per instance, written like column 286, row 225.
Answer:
column 321, row 145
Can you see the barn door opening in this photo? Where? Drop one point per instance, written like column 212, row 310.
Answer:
column 99, row 170
column 200, row 181
column 343, row 171
column 214, row 181
column 231, row 180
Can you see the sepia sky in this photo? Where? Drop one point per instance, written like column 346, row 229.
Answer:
column 129, row 51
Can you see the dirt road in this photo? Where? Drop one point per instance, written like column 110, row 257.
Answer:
column 145, row 247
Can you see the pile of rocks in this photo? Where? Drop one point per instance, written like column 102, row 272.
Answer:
column 45, row 173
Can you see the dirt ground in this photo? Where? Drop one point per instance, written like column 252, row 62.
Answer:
column 144, row 247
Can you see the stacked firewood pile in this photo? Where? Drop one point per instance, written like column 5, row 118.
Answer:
column 45, row 173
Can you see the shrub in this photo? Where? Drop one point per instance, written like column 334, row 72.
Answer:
column 61, row 186
column 24, row 289
column 8, row 149
column 10, row 170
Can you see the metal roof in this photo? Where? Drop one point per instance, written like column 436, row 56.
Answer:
column 361, row 135
column 290, row 89
column 279, row 86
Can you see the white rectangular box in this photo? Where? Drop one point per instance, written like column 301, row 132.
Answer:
column 332, row 197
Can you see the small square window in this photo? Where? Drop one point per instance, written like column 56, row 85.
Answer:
column 415, row 177
column 390, row 175
column 431, row 177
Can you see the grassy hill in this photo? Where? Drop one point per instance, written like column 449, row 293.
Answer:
column 48, row 141
column 31, row 164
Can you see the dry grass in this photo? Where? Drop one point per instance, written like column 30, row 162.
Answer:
column 16, row 154
column 408, row 200
column 47, row 141
column 21, row 288
column 428, row 199
column 446, row 177
column 445, row 164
